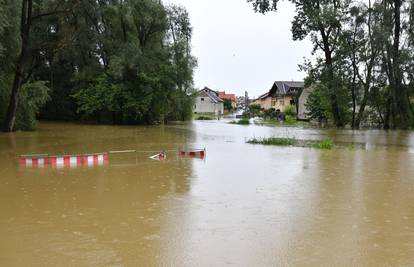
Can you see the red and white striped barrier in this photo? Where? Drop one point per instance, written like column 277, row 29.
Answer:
column 72, row 161
column 200, row 153
column 97, row 159
column 40, row 161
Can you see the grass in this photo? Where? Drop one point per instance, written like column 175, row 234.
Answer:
column 275, row 141
column 324, row 144
column 327, row 143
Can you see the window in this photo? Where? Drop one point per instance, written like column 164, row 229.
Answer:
column 292, row 102
column 202, row 99
column 282, row 102
column 273, row 102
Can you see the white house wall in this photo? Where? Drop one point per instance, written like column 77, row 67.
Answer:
column 208, row 106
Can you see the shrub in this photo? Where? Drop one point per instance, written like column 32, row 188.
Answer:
column 270, row 113
column 290, row 111
column 203, row 118
column 290, row 120
column 32, row 98
column 243, row 122
column 255, row 110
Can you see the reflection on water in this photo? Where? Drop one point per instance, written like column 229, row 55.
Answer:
column 244, row 205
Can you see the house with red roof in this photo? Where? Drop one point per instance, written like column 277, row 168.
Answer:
column 231, row 97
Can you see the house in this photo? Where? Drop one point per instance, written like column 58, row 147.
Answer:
column 281, row 95
column 231, row 97
column 208, row 102
column 302, row 110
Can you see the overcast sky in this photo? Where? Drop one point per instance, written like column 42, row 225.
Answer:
column 239, row 50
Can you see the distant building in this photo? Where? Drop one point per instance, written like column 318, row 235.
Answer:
column 301, row 108
column 231, row 97
column 281, row 95
column 208, row 102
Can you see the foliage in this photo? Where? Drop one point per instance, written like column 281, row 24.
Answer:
column 317, row 104
column 323, row 144
column 105, row 61
column 228, row 105
column 289, row 120
column 364, row 59
column 270, row 114
column 203, row 118
column 243, row 122
column 290, row 111
column 32, row 97
column 255, row 110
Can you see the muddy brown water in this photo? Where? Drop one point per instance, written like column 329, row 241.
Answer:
column 243, row 205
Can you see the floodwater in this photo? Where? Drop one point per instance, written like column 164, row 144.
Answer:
column 243, row 205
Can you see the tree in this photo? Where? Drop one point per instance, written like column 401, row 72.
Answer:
column 321, row 19
column 364, row 56
column 124, row 61
column 28, row 17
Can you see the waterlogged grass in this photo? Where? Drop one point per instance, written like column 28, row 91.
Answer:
column 241, row 122
column 274, row 141
column 278, row 141
column 324, row 144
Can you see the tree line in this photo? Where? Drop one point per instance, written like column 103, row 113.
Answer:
column 362, row 69
column 106, row 61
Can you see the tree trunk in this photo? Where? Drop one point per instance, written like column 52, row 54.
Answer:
column 26, row 20
column 404, row 106
column 330, row 77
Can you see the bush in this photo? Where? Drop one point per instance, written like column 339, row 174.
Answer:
column 255, row 110
column 290, row 111
column 33, row 96
column 270, row 113
column 243, row 122
column 203, row 118
column 289, row 120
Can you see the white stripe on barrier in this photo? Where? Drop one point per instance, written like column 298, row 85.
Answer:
column 29, row 162
column 60, row 162
column 73, row 162
column 90, row 160
column 41, row 163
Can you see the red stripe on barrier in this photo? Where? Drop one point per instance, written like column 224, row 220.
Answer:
column 23, row 162
column 53, row 161
column 202, row 154
column 66, row 161
column 34, row 163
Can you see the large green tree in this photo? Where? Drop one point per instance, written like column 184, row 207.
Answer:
column 120, row 61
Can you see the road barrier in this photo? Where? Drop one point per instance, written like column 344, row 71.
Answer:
column 198, row 153
column 63, row 161
column 97, row 159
